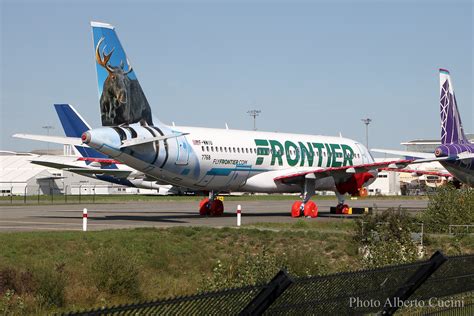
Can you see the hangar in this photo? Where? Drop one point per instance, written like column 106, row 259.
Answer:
column 18, row 176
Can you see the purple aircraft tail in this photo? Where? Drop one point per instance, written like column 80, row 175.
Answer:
column 451, row 125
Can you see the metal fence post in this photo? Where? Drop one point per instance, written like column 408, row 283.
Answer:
column 38, row 194
column 11, row 195
column 414, row 282
column 280, row 282
column 24, row 198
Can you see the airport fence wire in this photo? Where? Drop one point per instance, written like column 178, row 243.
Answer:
column 347, row 293
column 65, row 194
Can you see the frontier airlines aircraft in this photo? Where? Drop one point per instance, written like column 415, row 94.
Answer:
column 217, row 160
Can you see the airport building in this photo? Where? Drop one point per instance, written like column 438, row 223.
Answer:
column 18, row 176
column 428, row 145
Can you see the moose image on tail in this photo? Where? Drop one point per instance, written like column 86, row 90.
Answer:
column 122, row 101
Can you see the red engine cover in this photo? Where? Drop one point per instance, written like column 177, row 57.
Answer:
column 355, row 182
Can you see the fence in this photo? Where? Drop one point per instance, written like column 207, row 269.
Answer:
column 352, row 293
column 74, row 193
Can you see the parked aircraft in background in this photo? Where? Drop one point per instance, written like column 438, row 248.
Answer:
column 456, row 152
column 219, row 159
column 87, row 161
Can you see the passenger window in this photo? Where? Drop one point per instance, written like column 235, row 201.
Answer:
column 233, row 149
column 247, row 150
column 202, row 148
column 221, row 150
column 212, row 148
column 207, row 148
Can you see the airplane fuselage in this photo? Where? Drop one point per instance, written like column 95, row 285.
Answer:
column 228, row 160
column 463, row 169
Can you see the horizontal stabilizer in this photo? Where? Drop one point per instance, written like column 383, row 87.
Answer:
column 122, row 174
column 75, row 141
column 53, row 164
column 141, row 141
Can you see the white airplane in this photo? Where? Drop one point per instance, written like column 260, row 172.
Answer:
column 217, row 160
column 87, row 161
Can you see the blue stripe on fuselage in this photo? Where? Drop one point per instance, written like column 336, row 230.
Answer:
column 227, row 171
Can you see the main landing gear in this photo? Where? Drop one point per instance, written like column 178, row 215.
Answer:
column 306, row 207
column 341, row 207
column 211, row 206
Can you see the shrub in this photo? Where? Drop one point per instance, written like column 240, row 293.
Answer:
column 51, row 285
column 20, row 282
column 117, row 274
column 449, row 206
column 249, row 269
column 11, row 304
column 385, row 238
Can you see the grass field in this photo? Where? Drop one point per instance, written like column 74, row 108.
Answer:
column 62, row 271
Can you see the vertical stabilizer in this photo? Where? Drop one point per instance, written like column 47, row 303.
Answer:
column 122, row 100
column 451, row 126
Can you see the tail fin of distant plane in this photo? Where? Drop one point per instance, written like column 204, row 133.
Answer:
column 122, row 100
column 74, row 125
column 451, row 126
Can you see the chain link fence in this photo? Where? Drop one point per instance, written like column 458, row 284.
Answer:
column 348, row 293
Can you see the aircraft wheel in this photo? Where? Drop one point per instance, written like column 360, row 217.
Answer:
column 345, row 209
column 204, row 207
column 217, row 208
column 295, row 209
column 311, row 209
column 339, row 208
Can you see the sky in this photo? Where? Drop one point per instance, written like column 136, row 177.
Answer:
column 310, row 67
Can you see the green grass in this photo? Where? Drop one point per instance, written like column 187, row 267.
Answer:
column 159, row 263
column 174, row 261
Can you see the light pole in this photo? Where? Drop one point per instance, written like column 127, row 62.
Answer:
column 48, row 128
column 366, row 122
column 254, row 114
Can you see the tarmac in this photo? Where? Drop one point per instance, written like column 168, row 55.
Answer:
column 169, row 213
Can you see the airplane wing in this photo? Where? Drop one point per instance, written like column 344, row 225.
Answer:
column 425, row 157
column 75, row 141
column 404, row 153
column 341, row 172
column 420, row 172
